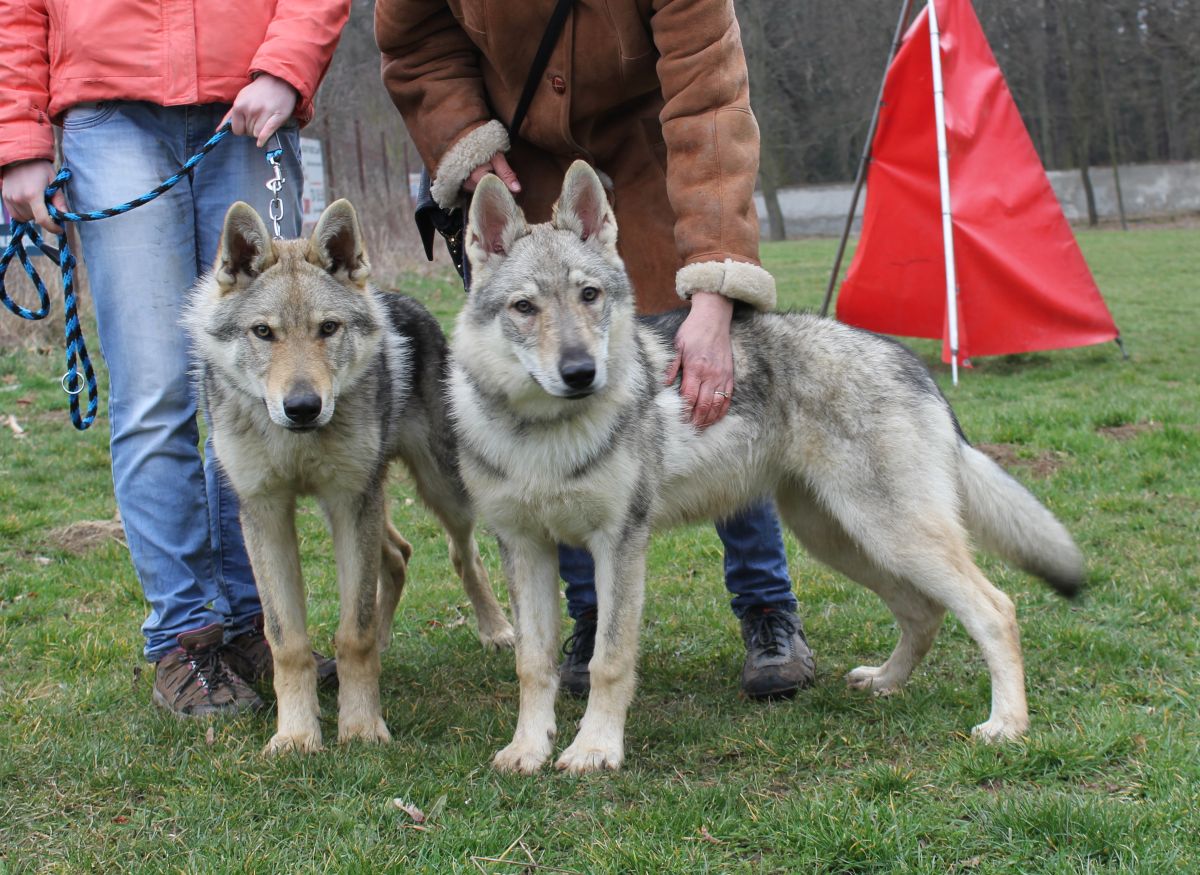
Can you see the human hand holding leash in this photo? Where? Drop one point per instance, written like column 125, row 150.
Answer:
column 704, row 353
column 24, row 190
column 498, row 165
column 261, row 108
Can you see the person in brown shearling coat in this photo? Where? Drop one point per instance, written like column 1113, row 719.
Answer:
column 655, row 95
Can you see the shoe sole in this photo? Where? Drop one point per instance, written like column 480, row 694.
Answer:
column 161, row 701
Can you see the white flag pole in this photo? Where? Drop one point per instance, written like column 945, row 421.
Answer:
column 939, row 111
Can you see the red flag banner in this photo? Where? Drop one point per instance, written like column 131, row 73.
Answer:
column 1023, row 284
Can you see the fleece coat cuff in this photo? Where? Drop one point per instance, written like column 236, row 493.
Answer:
column 461, row 159
column 737, row 280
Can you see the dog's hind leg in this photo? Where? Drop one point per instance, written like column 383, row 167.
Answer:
column 620, row 591
column 494, row 628
column 452, row 507
column 357, row 525
column 916, row 542
column 393, row 571
column 269, row 526
column 532, row 570
column 919, row 617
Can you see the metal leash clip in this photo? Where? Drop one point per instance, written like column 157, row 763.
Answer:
column 275, row 184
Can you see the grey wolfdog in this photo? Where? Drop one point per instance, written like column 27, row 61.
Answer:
column 567, row 434
column 314, row 381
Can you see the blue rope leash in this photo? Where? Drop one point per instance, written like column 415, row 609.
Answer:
column 76, row 348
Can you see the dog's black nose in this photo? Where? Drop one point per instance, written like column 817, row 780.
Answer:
column 302, row 407
column 577, row 369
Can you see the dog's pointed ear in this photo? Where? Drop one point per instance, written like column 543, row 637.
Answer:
column 582, row 208
column 337, row 245
column 494, row 224
column 245, row 250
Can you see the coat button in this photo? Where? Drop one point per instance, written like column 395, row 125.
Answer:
column 559, row 84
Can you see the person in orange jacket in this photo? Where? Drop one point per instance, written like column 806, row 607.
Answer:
column 137, row 87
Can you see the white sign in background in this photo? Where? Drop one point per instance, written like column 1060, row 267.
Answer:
column 312, row 161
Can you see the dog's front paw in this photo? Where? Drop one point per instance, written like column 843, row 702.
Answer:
column 999, row 729
column 873, row 678
column 498, row 638
column 521, row 757
column 371, row 730
column 294, row 742
column 584, row 757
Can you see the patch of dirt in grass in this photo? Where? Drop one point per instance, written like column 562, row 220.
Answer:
column 1128, row 431
column 85, row 535
column 1043, row 464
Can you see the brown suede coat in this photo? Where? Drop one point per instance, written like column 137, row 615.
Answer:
column 653, row 93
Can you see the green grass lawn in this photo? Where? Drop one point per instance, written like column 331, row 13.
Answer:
column 94, row 778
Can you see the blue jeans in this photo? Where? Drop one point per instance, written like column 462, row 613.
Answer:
column 180, row 515
column 756, row 569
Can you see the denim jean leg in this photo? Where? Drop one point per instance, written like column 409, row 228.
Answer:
column 236, row 170
column 756, row 567
column 140, row 265
column 576, row 567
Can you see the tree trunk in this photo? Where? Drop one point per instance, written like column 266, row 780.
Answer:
column 1089, row 192
column 1111, row 125
column 776, row 226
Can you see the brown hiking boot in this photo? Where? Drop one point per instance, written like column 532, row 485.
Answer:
column 574, row 678
column 195, row 681
column 778, row 660
column 249, row 655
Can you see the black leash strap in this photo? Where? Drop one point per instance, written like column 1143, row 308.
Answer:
column 545, row 48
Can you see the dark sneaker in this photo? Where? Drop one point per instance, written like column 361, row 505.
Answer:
column 195, row 681
column 778, row 661
column 573, row 675
column 250, row 656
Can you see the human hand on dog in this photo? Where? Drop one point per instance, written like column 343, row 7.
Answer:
column 262, row 108
column 24, row 188
column 704, row 353
column 498, row 165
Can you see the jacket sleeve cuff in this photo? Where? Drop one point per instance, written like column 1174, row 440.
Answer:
column 26, row 141
column 736, row 280
column 462, row 158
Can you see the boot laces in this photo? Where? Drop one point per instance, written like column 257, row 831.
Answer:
column 773, row 632
column 206, row 669
column 583, row 639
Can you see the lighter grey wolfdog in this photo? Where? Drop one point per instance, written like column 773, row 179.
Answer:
column 567, row 434
column 314, row 381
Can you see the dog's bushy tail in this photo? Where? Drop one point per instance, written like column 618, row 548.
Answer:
column 1007, row 520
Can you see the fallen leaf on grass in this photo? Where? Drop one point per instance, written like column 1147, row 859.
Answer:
column 25, row 400
column 120, row 818
column 210, row 737
column 706, row 836
column 10, row 422
column 411, row 810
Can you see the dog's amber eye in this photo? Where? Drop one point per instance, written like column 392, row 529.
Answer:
column 263, row 331
column 523, row 307
column 589, row 294
column 329, row 327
